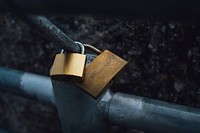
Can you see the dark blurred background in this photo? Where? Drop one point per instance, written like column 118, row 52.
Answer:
column 163, row 56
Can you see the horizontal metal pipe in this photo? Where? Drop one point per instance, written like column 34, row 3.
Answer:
column 152, row 115
column 27, row 85
column 78, row 111
column 30, row 85
column 132, row 8
column 123, row 109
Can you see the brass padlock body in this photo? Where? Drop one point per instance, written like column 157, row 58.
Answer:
column 100, row 72
column 68, row 66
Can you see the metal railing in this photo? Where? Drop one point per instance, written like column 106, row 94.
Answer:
column 79, row 112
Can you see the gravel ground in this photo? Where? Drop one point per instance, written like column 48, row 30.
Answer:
column 164, row 62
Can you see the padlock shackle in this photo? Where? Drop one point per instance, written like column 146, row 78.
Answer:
column 96, row 50
column 82, row 47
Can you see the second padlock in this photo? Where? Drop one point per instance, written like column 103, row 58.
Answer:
column 69, row 66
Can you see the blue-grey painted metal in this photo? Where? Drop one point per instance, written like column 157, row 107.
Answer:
column 52, row 32
column 27, row 84
column 152, row 115
column 79, row 112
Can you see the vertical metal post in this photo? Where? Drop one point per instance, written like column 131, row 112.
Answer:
column 78, row 111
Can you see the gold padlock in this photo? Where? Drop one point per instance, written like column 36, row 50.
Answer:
column 100, row 72
column 69, row 66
